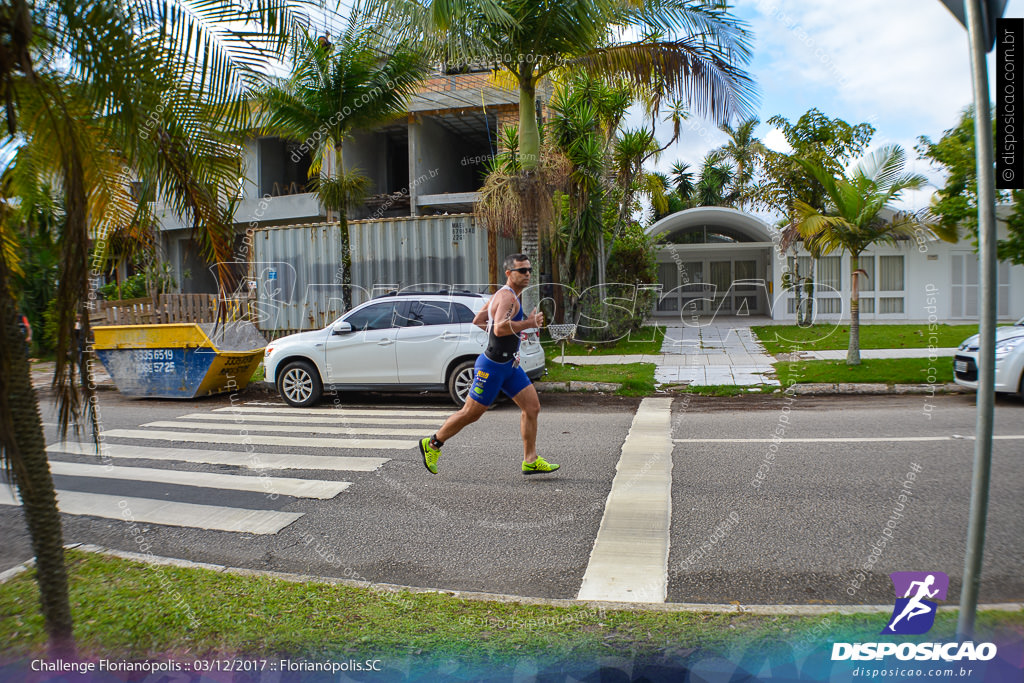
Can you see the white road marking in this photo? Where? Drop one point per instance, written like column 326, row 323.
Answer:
column 291, row 429
column 307, row 442
column 256, row 461
column 284, row 486
column 245, row 418
column 168, row 513
column 629, row 561
column 846, row 439
column 339, row 412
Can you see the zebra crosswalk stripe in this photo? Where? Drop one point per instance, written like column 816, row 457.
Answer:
column 256, row 461
column 169, row 513
column 347, row 412
column 330, row 419
column 284, row 486
column 308, row 442
column 291, row 429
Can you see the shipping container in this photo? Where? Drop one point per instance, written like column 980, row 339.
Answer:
column 297, row 271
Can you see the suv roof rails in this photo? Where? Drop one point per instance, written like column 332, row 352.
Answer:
column 441, row 292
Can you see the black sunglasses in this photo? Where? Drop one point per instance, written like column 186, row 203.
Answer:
column 525, row 270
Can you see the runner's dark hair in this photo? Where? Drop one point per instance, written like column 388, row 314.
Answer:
column 510, row 260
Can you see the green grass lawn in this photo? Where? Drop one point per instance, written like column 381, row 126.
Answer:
column 783, row 338
column 637, row 379
column 880, row 370
column 646, row 340
column 131, row 610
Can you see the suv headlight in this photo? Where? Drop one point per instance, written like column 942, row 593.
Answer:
column 1006, row 345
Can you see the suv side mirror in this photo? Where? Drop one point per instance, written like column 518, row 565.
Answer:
column 341, row 328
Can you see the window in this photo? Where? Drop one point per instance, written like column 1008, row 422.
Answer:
column 890, row 304
column 806, row 306
column 890, row 274
column 798, row 267
column 438, row 313
column 830, row 273
column 745, row 271
column 831, row 304
column 374, row 317
column 866, row 283
column 283, row 167
column 867, row 305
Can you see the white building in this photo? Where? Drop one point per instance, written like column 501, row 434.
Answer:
column 718, row 261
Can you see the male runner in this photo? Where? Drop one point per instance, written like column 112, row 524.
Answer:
column 497, row 368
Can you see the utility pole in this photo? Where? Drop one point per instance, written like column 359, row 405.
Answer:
column 980, row 17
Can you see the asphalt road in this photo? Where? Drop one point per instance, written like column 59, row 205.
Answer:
column 800, row 536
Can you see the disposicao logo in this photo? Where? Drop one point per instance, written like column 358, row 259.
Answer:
column 914, row 614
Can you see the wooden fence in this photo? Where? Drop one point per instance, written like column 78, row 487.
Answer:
column 169, row 308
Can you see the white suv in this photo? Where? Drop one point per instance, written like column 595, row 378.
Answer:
column 411, row 341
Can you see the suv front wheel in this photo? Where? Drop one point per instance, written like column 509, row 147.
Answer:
column 299, row 384
column 460, row 380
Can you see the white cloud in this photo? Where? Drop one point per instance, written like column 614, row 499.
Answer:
column 776, row 141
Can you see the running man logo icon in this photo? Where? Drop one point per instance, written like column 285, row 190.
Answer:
column 914, row 612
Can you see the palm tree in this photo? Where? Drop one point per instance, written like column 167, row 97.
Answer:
column 686, row 50
column 744, row 150
column 132, row 84
column 336, row 88
column 855, row 217
column 684, row 183
column 715, row 186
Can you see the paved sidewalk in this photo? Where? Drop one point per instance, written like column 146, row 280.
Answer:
column 42, row 375
column 712, row 354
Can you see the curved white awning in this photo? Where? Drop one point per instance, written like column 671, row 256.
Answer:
column 749, row 226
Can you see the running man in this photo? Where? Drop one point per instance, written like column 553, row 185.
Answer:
column 915, row 607
column 497, row 368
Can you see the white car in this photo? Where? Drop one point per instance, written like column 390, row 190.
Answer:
column 398, row 342
column 1009, row 360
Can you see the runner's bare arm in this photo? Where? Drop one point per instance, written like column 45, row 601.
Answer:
column 505, row 308
column 480, row 319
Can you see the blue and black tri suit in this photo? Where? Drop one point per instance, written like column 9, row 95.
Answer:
column 497, row 368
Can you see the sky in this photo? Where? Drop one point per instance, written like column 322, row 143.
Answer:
column 901, row 66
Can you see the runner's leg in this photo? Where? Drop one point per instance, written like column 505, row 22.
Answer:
column 529, row 403
column 470, row 413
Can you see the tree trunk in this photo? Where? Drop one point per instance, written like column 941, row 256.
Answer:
column 346, row 250
column 853, row 353
column 529, row 156
column 531, row 297
column 24, row 447
column 529, row 133
column 809, row 294
column 492, row 261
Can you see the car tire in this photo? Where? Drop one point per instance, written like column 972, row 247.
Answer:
column 460, row 380
column 299, row 384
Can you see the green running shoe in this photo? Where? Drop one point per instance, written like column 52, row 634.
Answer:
column 430, row 455
column 539, row 466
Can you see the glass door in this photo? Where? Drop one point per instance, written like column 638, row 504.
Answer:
column 692, row 288
column 720, row 282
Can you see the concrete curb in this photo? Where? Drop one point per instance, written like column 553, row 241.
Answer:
column 810, row 389
column 821, row 389
column 768, row 610
column 576, row 385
